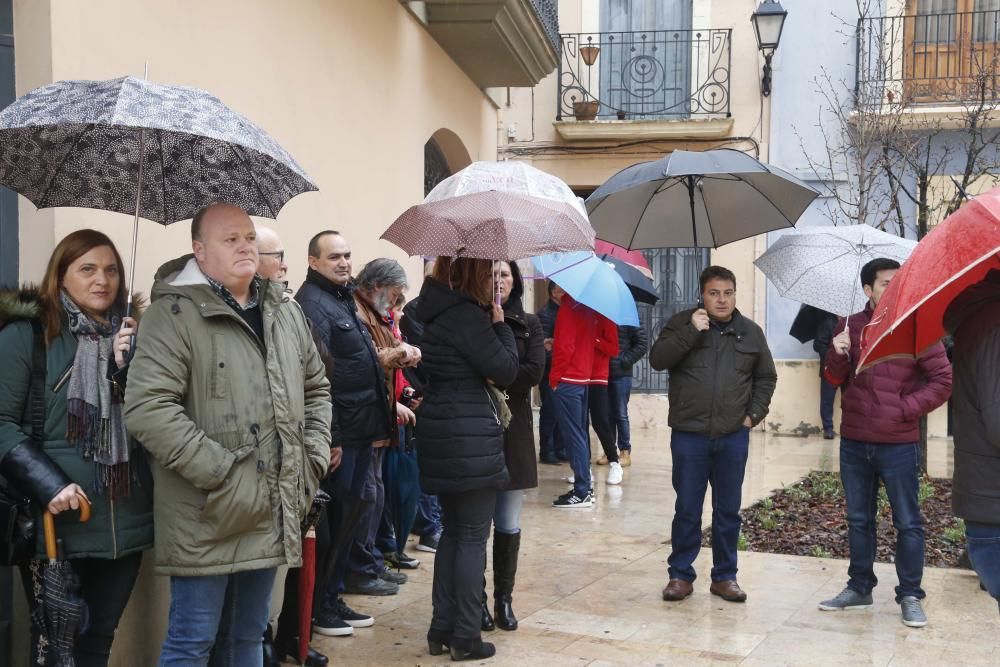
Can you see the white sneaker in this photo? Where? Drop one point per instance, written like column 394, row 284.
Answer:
column 615, row 473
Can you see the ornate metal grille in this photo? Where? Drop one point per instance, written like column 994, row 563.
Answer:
column 548, row 13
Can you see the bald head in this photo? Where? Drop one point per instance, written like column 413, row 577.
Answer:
column 225, row 246
column 272, row 254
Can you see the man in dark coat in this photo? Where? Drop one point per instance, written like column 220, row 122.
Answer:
column 973, row 318
column 722, row 378
column 551, row 449
column 880, row 427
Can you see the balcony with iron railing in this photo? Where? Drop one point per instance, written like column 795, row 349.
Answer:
column 928, row 60
column 678, row 80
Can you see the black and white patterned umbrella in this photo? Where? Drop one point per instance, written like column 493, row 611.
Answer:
column 79, row 143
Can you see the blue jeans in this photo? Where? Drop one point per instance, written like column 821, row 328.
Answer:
column 619, row 391
column 428, row 521
column 984, row 552
column 827, row 392
column 507, row 516
column 700, row 461
column 365, row 559
column 862, row 465
column 549, row 444
column 228, row 611
column 572, row 413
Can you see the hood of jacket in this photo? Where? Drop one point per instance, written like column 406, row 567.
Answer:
column 19, row 304
column 436, row 298
column 177, row 276
column 971, row 300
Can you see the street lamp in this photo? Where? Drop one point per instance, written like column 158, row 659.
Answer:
column 768, row 21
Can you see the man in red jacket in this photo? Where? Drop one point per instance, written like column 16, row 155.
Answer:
column 582, row 349
column 882, row 407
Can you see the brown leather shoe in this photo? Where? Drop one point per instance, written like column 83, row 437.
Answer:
column 677, row 590
column 729, row 591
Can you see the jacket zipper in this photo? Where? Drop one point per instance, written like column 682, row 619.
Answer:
column 114, row 531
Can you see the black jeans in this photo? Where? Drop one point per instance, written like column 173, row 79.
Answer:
column 344, row 516
column 601, row 419
column 460, row 562
column 105, row 585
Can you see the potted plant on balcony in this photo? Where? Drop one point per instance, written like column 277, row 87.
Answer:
column 585, row 109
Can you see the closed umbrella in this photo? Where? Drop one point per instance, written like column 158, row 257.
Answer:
column 956, row 254
column 402, row 487
column 641, row 286
column 62, row 613
column 307, row 573
column 149, row 150
column 821, row 266
column 700, row 199
column 591, row 282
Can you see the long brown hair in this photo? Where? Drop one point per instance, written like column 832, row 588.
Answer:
column 71, row 248
column 472, row 277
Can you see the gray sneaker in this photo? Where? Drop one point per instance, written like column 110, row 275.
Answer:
column 847, row 599
column 913, row 612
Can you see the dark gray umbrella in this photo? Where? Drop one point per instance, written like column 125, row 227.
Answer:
column 150, row 150
column 696, row 200
column 61, row 613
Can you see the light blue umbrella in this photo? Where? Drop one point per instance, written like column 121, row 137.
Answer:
column 592, row 282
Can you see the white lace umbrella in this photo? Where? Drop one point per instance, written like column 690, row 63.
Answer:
column 821, row 266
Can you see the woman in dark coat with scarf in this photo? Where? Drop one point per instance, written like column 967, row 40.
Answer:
column 519, row 447
column 468, row 351
column 83, row 453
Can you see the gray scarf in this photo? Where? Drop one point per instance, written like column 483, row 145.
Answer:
column 95, row 422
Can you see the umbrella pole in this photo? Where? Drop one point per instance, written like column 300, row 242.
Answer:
column 694, row 224
column 135, row 223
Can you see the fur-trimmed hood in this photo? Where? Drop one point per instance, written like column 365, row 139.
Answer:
column 25, row 303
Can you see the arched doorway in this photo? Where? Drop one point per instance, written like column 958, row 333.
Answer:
column 444, row 154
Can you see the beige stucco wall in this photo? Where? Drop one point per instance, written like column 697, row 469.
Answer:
column 352, row 88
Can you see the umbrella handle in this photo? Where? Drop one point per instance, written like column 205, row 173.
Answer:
column 49, row 524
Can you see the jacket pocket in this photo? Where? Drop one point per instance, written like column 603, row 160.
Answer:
column 745, row 356
column 242, row 504
column 219, row 380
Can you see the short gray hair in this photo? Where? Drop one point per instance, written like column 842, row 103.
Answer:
column 381, row 272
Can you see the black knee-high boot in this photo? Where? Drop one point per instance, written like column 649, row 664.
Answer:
column 505, row 550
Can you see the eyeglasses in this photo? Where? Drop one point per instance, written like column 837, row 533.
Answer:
column 280, row 254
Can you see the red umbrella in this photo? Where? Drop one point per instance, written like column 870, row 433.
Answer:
column 307, row 574
column 958, row 253
column 633, row 257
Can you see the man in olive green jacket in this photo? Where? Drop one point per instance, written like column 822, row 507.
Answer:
column 230, row 398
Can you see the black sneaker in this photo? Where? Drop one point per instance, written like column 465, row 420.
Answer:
column 330, row 624
column 351, row 617
column 571, row 501
column 363, row 585
column 402, row 561
column 394, row 577
column 429, row 543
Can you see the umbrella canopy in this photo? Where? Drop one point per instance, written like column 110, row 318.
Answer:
column 640, row 285
column 804, row 326
column 633, row 257
column 821, row 266
column 593, row 283
column 62, row 612
column 696, row 200
column 956, row 254
column 494, row 210
column 402, row 488
column 307, row 574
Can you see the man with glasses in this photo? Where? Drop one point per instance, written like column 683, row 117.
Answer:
column 272, row 255
column 722, row 378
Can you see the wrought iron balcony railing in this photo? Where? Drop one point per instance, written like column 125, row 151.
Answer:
column 548, row 14
column 947, row 58
column 646, row 74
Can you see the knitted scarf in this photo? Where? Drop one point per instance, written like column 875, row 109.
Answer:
column 95, row 422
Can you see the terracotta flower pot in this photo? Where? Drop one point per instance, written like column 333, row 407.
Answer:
column 586, row 110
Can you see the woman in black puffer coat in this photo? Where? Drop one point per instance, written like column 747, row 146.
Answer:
column 460, row 439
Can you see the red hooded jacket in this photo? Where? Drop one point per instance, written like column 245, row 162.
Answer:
column 584, row 343
column 884, row 403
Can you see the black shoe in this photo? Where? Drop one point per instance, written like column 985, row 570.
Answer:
column 549, row 459
column 329, row 624
column 402, row 561
column 429, row 543
column 313, row 658
column 486, row 622
column 505, row 551
column 271, row 659
column 828, row 434
column 351, row 617
column 363, row 585
column 471, row 649
column 437, row 641
column 393, row 577
column 562, row 456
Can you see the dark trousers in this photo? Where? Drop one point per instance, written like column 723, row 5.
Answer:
column 619, row 391
column 428, row 520
column 365, row 559
column 105, row 585
column 550, row 444
column 862, row 465
column 346, row 485
column 571, row 400
column 599, row 401
column 827, row 392
column 698, row 462
column 288, row 622
column 460, row 562
column 984, row 552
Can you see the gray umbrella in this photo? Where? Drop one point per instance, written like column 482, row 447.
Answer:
column 696, row 200
column 79, row 143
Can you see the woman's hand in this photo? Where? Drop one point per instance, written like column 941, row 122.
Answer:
column 123, row 342
column 67, row 499
column 404, row 415
column 497, row 314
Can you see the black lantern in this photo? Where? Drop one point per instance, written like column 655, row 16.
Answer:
column 768, row 21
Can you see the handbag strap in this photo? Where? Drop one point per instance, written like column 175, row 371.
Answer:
column 36, row 394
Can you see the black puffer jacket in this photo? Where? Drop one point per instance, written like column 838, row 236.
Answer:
column 974, row 320
column 357, row 384
column 459, row 437
column 633, row 343
column 519, row 439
